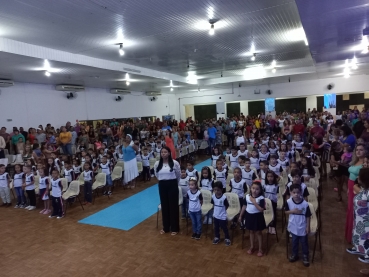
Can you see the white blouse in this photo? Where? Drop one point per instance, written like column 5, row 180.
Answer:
column 165, row 173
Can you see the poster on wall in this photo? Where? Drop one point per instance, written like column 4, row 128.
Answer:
column 330, row 101
column 269, row 105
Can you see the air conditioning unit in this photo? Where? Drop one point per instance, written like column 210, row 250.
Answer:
column 153, row 93
column 120, row 91
column 69, row 88
column 6, row 83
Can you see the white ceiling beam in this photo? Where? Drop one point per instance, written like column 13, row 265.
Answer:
column 34, row 51
column 249, row 77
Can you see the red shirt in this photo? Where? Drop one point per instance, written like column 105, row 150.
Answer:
column 298, row 129
column 182, row 125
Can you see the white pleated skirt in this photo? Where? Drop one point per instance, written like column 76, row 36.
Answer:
column 130, row 171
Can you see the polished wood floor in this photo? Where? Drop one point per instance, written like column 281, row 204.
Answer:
column 34, row 245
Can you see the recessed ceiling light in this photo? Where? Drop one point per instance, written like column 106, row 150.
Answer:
column 47, row 73
column 211, row 31
column 127, row 83
column 121, row 51
column 171, row 89
column 253, row 57
column 274, row 70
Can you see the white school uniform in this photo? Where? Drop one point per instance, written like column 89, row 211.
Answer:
column 233, row 161
column 248, row 176
column 88, row 175
column 4, row 180
column 263, row 156
column 207, row 184
column 238, row 188
column 184, row 185
column 277, row 168
column 57, row 187
column 244, row 153
column 284, row 164
column 255, row 162
column 145, row 160
column 29, row 180
column 250, row 207
column 220, row 207
column 214, row 159
column 297, row 222
column 18, row 179
column 271, row 192
column 221, row 176
column 194, row 203
column 192, row 174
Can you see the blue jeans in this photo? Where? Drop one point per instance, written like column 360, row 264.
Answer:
column 196, row 222
column 109, row 181
column 67, row 149
column 211, row 144
column 20, row 195
column 185, row 207
column 304, row 245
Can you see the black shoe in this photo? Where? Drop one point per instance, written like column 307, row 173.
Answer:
column 293, row 259
column 234, row 225
column 216, row 240
column 105, row 193
column 193, row 236
column 305, row 261
column 198, row 236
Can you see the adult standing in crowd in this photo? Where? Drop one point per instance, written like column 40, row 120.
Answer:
column 24, row 133
column 317, row 130
column 347, row 136
column 15, row 138
column 365, row 133
column 6, row 138
column 199, row 135
column 212, row 132
column 65, row 140
column 129, row 150
column 359, row 125
column 2, row 147
column 229, row 131
column 356, row 165
column 168, row 172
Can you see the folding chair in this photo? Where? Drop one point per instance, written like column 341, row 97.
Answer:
column 81, row 179
column 72, row 192
column 120, row 164
column 206, row 206
column 229, row 178
column 269, row 217
column 152, row 162
column 11, row 187
column 139, row 167
column 297, row 156
column 116, row 175
column 64, row 182
column 313, row 199
column 233, row 209
column 280, row 207
column 100, row 182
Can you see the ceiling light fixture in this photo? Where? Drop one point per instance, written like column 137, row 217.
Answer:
column 127, row 79
column 253, row 57
column 346, row 71
column 273, row 65
column 121, row 51
column 354, row 63
column 211, row 31
column 47, row 73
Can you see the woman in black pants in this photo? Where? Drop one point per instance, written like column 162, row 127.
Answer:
column 168, row 173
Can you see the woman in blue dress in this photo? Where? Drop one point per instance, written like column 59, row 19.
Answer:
column 129, row 150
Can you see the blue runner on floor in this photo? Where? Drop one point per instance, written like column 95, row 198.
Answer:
column 129, row 212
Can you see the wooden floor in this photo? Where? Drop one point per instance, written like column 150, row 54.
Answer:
column 32, row 244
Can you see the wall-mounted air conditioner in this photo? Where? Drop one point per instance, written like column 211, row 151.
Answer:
column 6, row 83
column 120, row 91
column 69, row 88
column 153, row 93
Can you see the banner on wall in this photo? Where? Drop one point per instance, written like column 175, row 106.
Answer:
column 269, row 105
column 330, row 101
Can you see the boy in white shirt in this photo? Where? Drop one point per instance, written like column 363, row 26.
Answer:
column 298, row 224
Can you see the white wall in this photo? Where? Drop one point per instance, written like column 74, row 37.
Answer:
column 311, row 102
column 29, row 105
column 353, row 84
